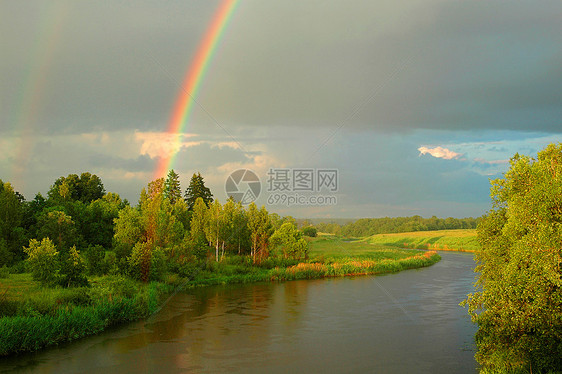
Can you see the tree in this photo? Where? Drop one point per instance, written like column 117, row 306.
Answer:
column 240, row 234
column 128, row 230
column 94, row 259
column 146, row 262
column 264, row 232
column 60, row 228
column 197, row 189
column 253, row 227
column 260, row 229
column 160, row 224
column 518, row 305
column 43, row 260
column 12, row 234
column 140, row 232
column 72, row 268
column 229, row 211
column 99, row 220
column 86, row 188
column 276, row 221
column 32, row 211
column 172, row 189
column 290, row 240
column 215, row 231
column 198, row 219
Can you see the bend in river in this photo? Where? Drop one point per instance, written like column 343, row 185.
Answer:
column 404, row 322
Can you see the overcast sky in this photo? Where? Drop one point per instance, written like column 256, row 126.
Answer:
column 417, row 104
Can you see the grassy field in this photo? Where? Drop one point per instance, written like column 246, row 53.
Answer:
column 331, row 256
column 329, row 248
column 443, row 240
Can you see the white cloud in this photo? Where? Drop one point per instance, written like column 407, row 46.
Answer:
column 159, row 144
column 439, row 152
column 163, row 144
column 231, row 144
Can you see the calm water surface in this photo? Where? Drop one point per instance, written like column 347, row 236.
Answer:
column 408, row 322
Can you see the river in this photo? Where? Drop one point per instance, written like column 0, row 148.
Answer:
column 399, row 323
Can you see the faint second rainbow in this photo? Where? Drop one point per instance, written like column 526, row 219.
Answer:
column 191, row 83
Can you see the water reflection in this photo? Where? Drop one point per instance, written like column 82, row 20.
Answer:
column 405, row 322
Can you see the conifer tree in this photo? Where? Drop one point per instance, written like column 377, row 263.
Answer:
column 172, row 189
column 197, row 189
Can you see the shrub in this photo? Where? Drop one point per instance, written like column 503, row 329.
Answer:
column 19, row 268
column 4, row 272
column 185, row 265
column 94, row 257
column 5, row 254
column 147, row 263
column 310, row 231
column 43, row 260
column 72, row 270
column 109, row 264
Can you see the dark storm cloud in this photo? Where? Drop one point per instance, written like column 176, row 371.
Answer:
column 356, row 85
column 430, row 64
column 138, row 164
column 436, row 65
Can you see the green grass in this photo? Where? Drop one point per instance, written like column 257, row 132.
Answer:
column 443, row 240
column 34, row 317
column 331, row 256
column 336, row 249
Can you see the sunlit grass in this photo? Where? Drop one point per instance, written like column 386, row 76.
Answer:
column 444, row 240
column 352, row 266
column 335, row 249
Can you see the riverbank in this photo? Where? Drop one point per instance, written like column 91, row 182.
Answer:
column 35, row 317
column 322, row 325
column 231, row 273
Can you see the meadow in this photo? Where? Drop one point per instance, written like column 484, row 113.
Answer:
column 462, row 240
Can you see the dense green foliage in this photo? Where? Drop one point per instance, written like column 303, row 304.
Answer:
column 310, row 231
column 43, row 260
column 372, row 226
column 291, row 241
column 84, row 188
column 12, row 231
column 518, row 306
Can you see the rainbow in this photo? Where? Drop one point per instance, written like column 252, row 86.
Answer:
column 28, row 110
column 192, row 82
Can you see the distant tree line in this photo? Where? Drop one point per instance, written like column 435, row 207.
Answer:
column 373, row 226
